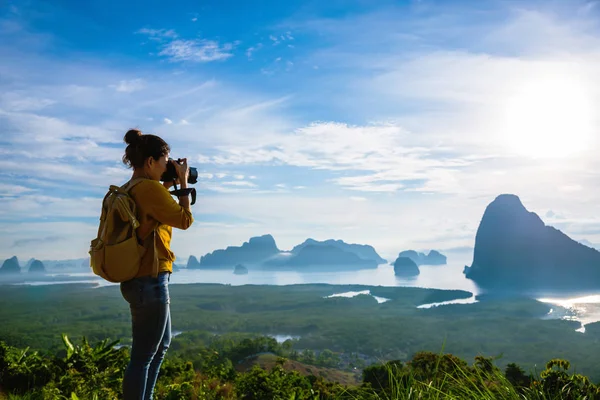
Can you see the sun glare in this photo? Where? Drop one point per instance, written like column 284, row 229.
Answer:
column 549, row 116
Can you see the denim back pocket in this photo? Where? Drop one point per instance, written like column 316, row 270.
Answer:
column 133, row 292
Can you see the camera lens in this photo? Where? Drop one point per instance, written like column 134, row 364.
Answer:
column 193, row 176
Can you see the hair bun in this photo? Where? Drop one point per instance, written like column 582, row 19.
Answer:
column 132, row 136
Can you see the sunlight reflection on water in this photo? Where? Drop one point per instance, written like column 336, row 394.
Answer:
column 354, row 294
column 585, row 309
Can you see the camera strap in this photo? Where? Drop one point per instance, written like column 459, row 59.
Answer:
column 185, row 192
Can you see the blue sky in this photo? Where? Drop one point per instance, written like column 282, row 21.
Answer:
column 387, row 123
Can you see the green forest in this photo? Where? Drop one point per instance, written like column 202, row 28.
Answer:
column 70, row 341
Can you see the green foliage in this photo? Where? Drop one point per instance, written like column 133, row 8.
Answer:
column 517, row 377
column 557, row 382
column 276, row 384
column 328, row 358
column 388, row 331
column 204, row 363
column 83, row 371
column 22, row 370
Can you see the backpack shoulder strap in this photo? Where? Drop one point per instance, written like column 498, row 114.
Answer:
column 105, row 210
column 131, row 184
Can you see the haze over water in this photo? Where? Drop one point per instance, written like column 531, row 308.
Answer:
column 440, row 277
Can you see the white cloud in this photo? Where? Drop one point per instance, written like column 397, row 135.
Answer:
column 167, row 121
column 274, row 39
column 239, row 183
column 571, row 188
column 178, row 49
column 48, row 138
column 129, row 86
column 184, row 122
column 13, row 190
column 15, row 101
column 41, row 206
column 251, row 50
column 158, row 34
column 197, row 50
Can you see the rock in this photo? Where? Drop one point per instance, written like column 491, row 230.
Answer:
column 405, row 266
column 364, row 251
column 255, row 251
column 324, row 256
column 240, row 270
column 10, row 266
column 37, row 267
column 193, row 263
column 515, row 250
column 433, row 258
column 413, row 255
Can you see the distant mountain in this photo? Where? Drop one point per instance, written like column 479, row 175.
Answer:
column 193, row 263
column 590, row 244
column 405, row 266
column 36, row 267
column 255, row 251
column 264, row 252
column 240, row 270
column 515, row 249
column 320, row 255
column 433, row 258
column 10, row 266
column 363, row 251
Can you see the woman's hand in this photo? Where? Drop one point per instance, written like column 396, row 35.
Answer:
column 183, row 171
column 169, row 184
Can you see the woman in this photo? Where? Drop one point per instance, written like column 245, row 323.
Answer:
column 148, row 294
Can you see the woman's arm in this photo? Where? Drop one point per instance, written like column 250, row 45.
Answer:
column 161, row 206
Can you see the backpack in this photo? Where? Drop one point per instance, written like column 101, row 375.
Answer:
column 116, row 253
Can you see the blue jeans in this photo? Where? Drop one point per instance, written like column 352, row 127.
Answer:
column 148, row 300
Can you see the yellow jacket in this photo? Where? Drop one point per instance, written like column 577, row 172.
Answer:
column 156, row 206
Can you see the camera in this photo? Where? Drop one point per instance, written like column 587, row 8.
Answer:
column 171, row 173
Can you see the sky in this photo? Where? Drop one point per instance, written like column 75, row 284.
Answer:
column 389, row 123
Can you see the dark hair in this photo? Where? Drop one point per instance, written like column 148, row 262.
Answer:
column 140, row 147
